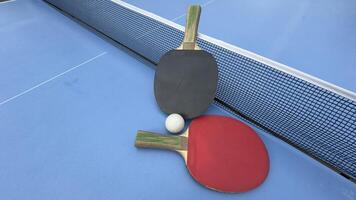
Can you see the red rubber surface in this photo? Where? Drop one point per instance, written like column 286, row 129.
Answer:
column 226, row 155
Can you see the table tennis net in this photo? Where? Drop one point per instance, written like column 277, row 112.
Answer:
column 314, row 116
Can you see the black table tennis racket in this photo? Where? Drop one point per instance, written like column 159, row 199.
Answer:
column 186, row 78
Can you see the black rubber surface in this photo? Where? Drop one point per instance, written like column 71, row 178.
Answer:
column 186, row 82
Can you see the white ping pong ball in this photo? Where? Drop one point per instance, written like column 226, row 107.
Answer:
column 174, row 123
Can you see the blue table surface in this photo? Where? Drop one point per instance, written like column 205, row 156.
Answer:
column 316, row 37
column 70, row 105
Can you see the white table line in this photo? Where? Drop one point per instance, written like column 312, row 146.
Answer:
column 51, row 79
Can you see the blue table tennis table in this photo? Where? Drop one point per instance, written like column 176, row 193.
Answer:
column 72, row 99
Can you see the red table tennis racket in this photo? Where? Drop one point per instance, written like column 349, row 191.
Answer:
column 221, row 153
column 186, row 78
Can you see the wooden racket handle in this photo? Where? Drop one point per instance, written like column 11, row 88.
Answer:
column 145, row 139
column 191, row 28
